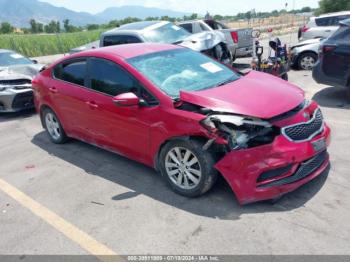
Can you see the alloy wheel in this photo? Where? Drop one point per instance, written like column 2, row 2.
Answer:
column 183, row 168
column 52, row 125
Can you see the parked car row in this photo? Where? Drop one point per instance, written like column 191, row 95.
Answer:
column 185, row 113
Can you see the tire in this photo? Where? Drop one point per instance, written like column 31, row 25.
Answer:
column 306, row 61
column 199, row 171
column 53, row 127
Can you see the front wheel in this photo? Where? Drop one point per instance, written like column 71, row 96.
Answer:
column 53, row 127
column 306, row 61
column 188, row 169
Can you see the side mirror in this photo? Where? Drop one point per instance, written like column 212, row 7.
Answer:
column 34, row 61
column 126, row 99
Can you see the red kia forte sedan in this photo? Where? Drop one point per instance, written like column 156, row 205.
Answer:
column 187, row 116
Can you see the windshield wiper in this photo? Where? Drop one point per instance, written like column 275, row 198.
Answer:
column 177, row 42
column 231, row 79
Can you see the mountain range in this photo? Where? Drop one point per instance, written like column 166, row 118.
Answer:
column 19, row 12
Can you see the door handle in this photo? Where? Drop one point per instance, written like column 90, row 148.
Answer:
column 91, row 104
column 328, row 31
column 53, row 90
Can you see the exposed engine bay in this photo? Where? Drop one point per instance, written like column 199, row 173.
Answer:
column 240, row 132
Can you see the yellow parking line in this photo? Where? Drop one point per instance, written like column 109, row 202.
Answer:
column 69, row 230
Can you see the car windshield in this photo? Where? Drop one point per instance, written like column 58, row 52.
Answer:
column 182, row 69
column 11, row 59
column 165, row 33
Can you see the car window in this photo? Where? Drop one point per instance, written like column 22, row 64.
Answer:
column 72, row 72
column 120, row 40
column 182, row 69
column 215, row 25
column 187, row 27
column 330, row 21
column 165, row 33
column 342, row 34
column 109, row 78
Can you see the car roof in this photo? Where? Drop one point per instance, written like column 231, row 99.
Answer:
column 136, row 27
column 335, row 14
column 127, row 51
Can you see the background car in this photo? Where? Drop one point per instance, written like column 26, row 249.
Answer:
column 210, row 42
column 16, row 73
column 188, row 116
column 322, row 26
column 333, row 67
column 304, row 55
column 239, row 41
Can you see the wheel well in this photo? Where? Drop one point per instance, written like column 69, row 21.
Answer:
column 306, row 52
column 198, row 138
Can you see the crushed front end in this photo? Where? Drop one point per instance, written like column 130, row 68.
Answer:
column 16, row 95
column 265, row 159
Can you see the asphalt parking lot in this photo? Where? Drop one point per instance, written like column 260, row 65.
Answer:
column 75, row 193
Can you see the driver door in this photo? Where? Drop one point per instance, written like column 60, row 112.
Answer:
column 125, row 130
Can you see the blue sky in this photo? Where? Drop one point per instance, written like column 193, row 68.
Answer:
column 225, row 7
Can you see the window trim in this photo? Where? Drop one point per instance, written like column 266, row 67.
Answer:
column 140, row 85
column 71, row 61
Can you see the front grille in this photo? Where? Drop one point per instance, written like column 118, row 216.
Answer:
column 23, row 100
column 305, row 169
column 306, row 130
column 15, row 82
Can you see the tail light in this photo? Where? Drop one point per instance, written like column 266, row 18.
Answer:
column 234, row 36
column 305, row 29
column 324, row 49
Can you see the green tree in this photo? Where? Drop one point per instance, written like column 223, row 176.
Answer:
column 329, row 6
column 6, row 28
column 33, row 26
column 90, row 27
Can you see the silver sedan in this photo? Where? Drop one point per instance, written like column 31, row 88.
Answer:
column 16, row 74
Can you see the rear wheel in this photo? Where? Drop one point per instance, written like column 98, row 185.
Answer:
column 53, row 127
column 306, row 61
column 188, row 169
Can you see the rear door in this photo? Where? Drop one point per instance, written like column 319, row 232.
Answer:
column 69, row 96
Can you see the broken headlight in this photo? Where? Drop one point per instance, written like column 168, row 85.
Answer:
column 241, row 132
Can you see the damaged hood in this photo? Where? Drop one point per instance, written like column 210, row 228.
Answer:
column 19, row 72
column 256, row 94
column 203, row 41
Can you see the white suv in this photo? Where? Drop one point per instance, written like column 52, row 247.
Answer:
column 322, row 26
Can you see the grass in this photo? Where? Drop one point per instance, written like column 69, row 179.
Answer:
column 47, row 44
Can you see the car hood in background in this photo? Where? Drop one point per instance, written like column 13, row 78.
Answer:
column 19, row 72
column 256, row 94
column 308, row 42
column 203, row 41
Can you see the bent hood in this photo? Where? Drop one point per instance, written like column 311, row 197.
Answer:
column 203, row 41
column 256, row 94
